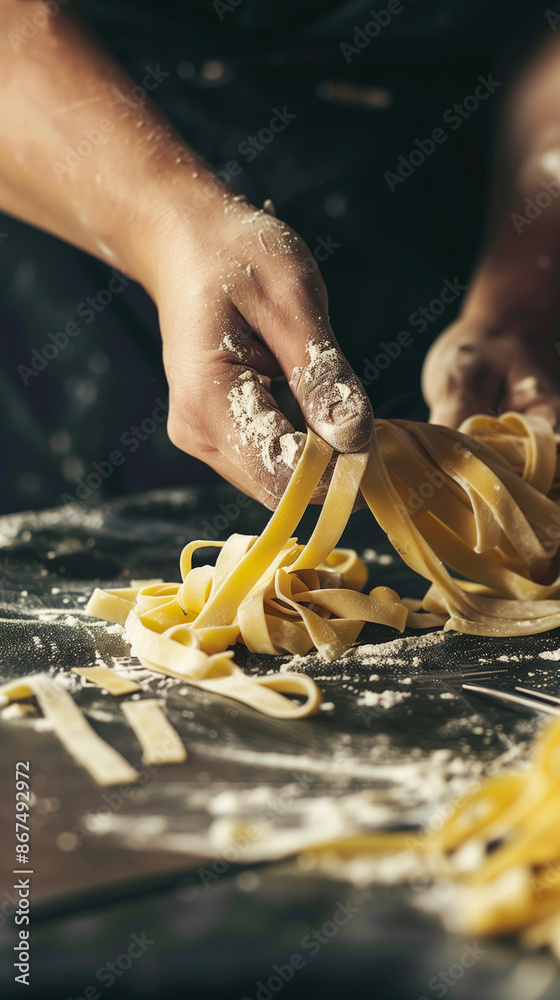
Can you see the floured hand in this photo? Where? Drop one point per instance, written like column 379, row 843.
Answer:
column 472, row 368
column 238, row 304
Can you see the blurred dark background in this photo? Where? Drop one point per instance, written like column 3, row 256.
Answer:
column 228, row 68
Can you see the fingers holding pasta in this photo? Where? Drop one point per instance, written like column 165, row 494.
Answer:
column 253, row 306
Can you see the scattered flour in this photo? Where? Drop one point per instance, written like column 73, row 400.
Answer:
column 393, row 653
column 291, row 447
column 382, row 699
column 332, row 394
column 344, row 390
column 260, row 427
column 232, row 344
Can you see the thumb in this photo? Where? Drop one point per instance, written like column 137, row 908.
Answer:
column 331, row 396
column 290, row 315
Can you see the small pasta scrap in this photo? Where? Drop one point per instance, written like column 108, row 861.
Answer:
column 105, row 765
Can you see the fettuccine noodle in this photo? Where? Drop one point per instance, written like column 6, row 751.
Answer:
column 500, row 851
column 482, row 500
column 482, row 503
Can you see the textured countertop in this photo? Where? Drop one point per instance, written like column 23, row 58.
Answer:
column 396, row 743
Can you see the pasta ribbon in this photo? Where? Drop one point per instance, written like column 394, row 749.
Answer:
column 499, row 850
column 105, row 764
column 481, row 502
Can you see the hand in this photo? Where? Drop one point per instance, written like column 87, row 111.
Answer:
column 476, row 367
column 240, row 299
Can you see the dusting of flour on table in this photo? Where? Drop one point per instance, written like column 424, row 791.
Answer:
column 390, row 654
column 394, row 653
column 382, row 699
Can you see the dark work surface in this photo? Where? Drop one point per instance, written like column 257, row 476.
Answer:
column 136, row 862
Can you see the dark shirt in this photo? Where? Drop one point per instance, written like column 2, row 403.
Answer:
column 356, row 167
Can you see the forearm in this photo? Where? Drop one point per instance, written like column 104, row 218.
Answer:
column 523, row 238
column 236, row 298
column 78, row 157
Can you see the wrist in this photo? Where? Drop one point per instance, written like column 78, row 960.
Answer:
column 181, row 210
column 513, row 294
column 516, row 282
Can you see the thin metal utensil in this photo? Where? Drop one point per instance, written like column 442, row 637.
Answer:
column 541, row 694
column 515, row 699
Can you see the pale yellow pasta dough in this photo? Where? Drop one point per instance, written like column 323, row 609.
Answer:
column 159, row 740
column 515, row 886
column 106, row 765
column 482, row 504
column 498, row 852
column 103, row 677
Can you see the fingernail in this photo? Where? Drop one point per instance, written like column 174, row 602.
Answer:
column 333, row 400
